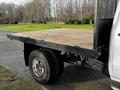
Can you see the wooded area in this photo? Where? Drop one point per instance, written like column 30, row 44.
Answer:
column 43, row 11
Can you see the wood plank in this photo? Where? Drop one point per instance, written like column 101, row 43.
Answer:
column 70, row 37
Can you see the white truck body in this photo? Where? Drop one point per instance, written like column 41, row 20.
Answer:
column 114, row 54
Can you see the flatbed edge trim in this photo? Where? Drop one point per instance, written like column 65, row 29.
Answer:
column 63, row 48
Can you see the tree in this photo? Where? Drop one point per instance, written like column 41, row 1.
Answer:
column 42, row 11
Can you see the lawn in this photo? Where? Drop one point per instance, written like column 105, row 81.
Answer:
column 11, row 81
column 31, row 27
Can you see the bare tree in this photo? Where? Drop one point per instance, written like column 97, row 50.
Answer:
column 42, row 11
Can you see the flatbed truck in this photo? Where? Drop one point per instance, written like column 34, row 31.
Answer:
column 46, row 51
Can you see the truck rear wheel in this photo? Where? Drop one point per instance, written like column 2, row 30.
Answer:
column 43, row 66
column 56, row 55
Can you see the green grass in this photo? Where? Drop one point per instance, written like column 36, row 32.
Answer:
column 31, row 27
column 11, row 81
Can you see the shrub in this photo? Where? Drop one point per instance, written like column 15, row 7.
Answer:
column 77, row 22
column 4, row 20
column 92, row 20
column 14, row 21
column 73, row 22
column 86, row 21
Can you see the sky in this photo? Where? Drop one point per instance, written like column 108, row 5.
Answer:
column 18, row 2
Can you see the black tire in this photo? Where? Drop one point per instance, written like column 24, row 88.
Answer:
column 50, row 64
column 56, row 55
column 60, row 63
column 61, row 67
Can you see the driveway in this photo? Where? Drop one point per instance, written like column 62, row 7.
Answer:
column 73, row 78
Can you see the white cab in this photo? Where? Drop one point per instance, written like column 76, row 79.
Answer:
column 114, row 55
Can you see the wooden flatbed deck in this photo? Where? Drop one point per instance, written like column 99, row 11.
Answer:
column 70, row 37
column 66, row 40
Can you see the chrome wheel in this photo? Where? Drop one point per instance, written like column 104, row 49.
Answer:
column 38, row 67
column 43, row 66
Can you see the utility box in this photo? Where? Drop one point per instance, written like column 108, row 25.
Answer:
column 105, row 11
column 105, row 8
